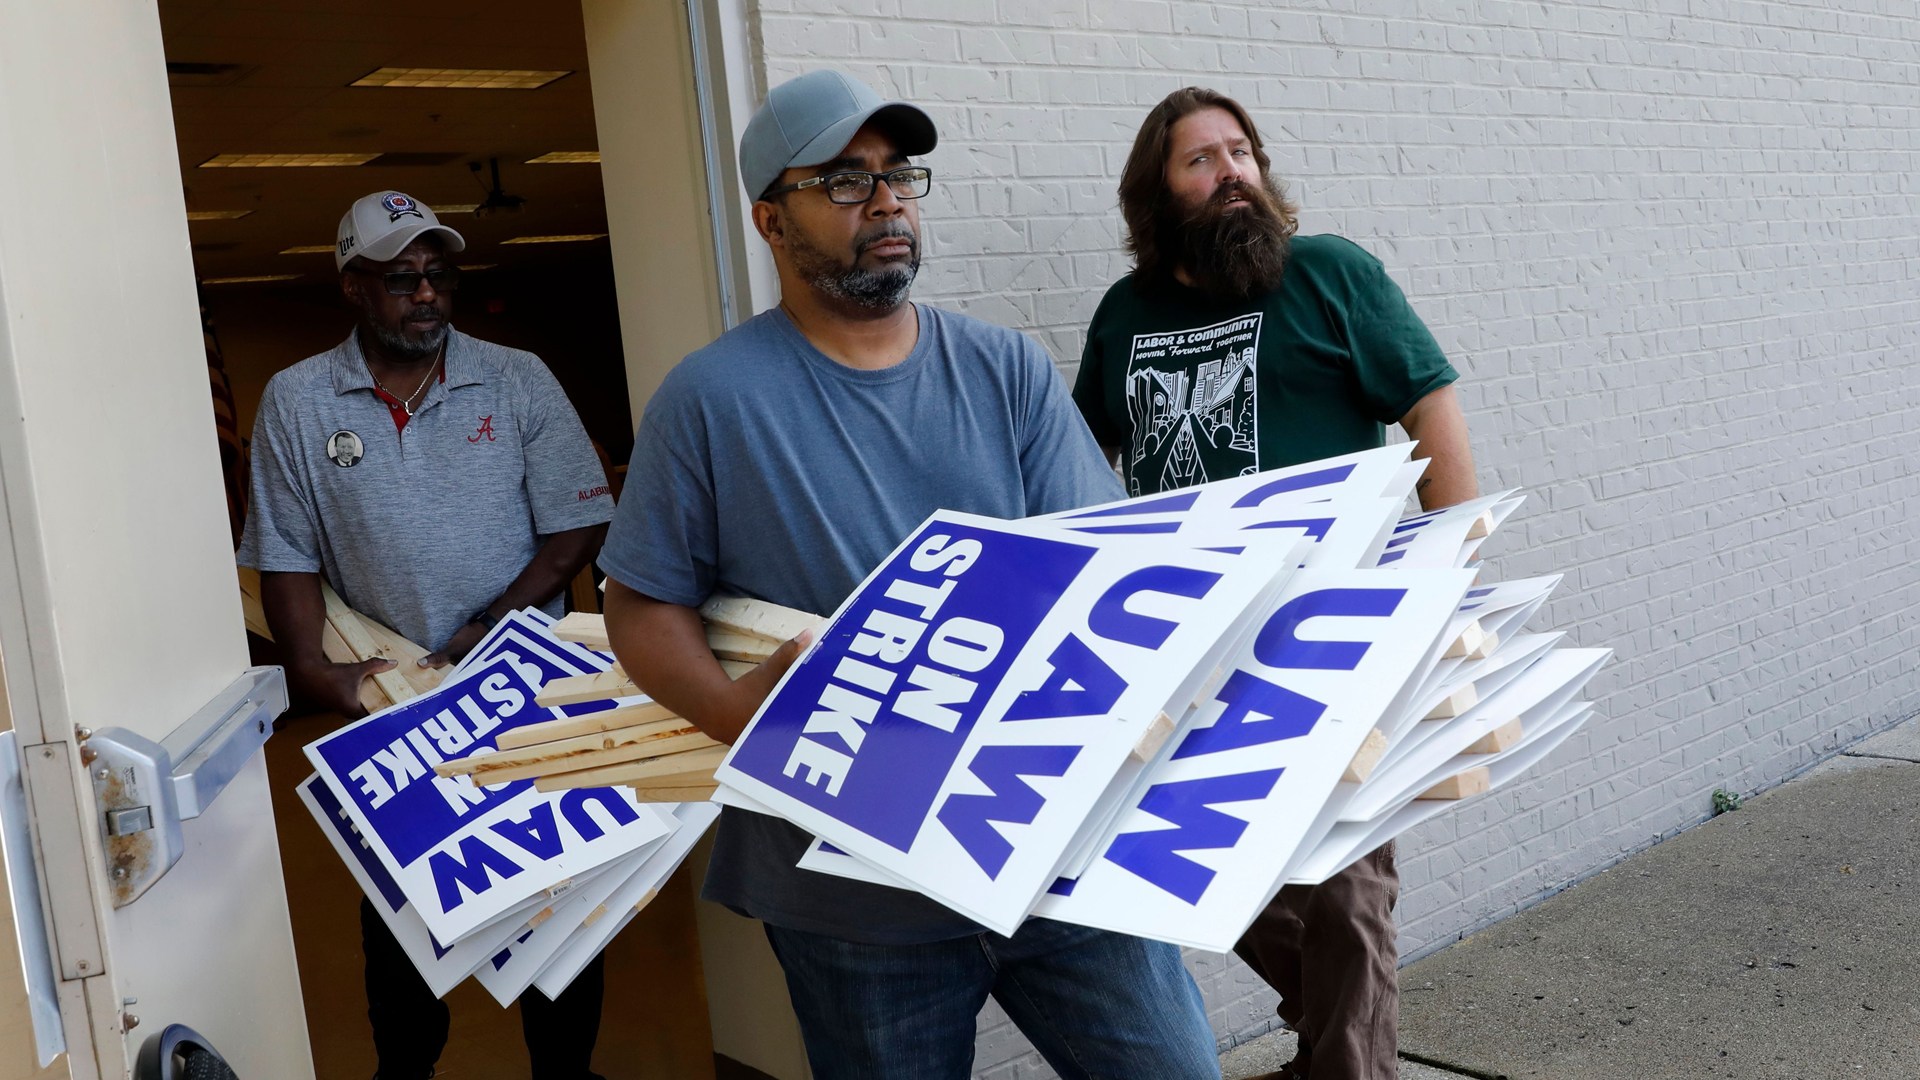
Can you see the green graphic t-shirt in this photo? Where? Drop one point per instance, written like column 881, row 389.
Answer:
column 1192, row 389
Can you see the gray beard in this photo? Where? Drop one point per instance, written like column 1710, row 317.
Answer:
column 878, row 290
column 396, row 344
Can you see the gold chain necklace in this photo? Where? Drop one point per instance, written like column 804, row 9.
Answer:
column 408, row 403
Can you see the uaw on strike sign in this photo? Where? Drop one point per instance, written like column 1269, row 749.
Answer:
column 1204, row 841
column 467, row 856
column 970, row 703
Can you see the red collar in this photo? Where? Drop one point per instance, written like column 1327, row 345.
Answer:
column 398, row 408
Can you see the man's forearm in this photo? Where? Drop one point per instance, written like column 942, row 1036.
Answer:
column 560, row 559
column 1437, row 423
column 663, row 648
column 295, row 613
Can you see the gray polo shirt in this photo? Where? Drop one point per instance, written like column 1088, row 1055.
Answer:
column 422, row 527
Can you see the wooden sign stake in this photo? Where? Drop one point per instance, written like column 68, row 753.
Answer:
column 1454, row 704
column 1474, row 781
column 1372, row 749
column 1500, row 738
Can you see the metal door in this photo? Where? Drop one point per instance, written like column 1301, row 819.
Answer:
column 118, row 605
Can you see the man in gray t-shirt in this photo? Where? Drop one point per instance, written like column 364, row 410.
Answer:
column 784, row 462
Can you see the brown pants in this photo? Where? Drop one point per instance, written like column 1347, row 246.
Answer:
column 1329, row 950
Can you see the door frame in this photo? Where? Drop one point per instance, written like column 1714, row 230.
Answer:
column 683, row 242
column 98, row 66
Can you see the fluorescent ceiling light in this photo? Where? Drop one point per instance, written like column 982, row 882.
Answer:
column 309, row 249
column 461, row 78
column 285, row 161
column 247, row 278
column 567, row 157
column 454, row 208
column 554, row 239
column 216, row 215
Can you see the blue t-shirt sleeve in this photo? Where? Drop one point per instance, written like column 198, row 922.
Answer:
column 664, row 540
column 1061, row 466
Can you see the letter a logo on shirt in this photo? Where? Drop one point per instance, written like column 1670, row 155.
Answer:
column 486, row 429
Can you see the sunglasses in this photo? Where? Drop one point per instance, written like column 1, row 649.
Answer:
column 407, row 282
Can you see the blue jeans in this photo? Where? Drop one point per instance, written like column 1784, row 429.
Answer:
column 1096, row 1004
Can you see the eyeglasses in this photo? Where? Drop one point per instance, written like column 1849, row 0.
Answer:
column 407, row 282
column 853, row 188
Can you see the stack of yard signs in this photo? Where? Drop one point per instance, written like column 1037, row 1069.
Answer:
column 1371, row 683
column 1146, row 716
column 477, row 869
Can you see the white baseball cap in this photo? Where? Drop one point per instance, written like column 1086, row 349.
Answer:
column 381, row 225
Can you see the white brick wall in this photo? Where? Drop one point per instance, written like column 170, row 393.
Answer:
column 1673, row 247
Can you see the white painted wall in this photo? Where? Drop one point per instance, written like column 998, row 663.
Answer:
column 1672, row 245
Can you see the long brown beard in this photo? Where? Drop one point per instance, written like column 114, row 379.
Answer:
column 1233, row 253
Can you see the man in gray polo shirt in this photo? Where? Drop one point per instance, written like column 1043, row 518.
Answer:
column 439, row 482
column 785, row 461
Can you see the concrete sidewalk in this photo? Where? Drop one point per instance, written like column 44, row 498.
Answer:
column 1780, row 941
column 1269, row 1053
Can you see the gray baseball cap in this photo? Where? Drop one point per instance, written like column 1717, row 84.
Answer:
column 808, row 120
column 380, row 226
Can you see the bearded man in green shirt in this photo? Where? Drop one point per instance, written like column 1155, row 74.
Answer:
column 1236, row 346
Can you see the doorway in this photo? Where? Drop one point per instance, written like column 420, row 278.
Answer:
column 285, row 113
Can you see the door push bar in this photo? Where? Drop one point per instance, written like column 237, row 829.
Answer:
column 144, row 789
